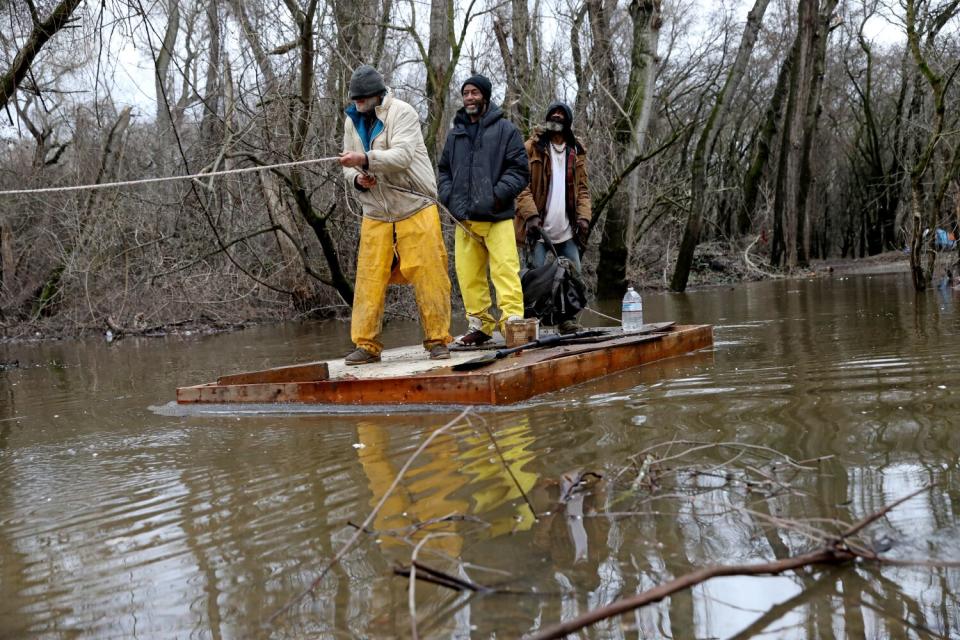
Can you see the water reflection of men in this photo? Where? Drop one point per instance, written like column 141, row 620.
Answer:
column 458, row 477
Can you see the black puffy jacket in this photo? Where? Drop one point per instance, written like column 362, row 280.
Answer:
column 480, row 178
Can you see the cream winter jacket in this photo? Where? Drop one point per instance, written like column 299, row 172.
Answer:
column 397, row 156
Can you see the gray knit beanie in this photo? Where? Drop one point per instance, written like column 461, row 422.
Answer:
column 366, row 81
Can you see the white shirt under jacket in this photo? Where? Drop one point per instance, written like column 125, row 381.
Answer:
column 556, row 225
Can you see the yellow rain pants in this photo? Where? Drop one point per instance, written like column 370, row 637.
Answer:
column 418, row 244
column 498, row 251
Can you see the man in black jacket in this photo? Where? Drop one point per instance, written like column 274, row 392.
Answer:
column 482, row 170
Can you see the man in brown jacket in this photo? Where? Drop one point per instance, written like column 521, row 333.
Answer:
column 556, row 203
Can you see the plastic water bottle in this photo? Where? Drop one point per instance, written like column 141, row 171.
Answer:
column 632, row 311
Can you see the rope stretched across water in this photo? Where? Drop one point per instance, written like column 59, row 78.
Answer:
column 225, row 172
column 192, row 176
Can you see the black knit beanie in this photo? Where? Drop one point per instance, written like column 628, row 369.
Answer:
column 480, row 82
column 366, row 81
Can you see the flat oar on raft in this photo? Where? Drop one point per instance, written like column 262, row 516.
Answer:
column 549, row 341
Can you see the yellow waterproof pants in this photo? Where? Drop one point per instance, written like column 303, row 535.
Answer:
column 498, row 251
column 418, row 244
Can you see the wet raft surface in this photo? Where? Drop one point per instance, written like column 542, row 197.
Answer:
column 407, row 376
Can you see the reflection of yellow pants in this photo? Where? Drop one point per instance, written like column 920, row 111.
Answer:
column 498, row 251
column 447, row 481
column 427, row 493
column 423, row 263
column 494, row 484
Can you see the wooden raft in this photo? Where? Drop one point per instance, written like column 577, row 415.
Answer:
column 406, row 377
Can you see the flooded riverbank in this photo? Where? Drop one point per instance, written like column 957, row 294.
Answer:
column 117, row 520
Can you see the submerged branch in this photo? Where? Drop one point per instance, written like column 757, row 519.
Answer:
column 835, row 551
column 821, row 556
column 441, row 578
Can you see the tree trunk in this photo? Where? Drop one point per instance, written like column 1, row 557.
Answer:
column 165, row 138
column 761, row 156
column 209, row 123
column 8, row 259
column 381, row 41
column 580, row 71
column 631, row 133
column 520, row 28
column 601, row 56
column 786, row 234
column 439, row 52
column 811, row 119
column 925, row 213
column 713, row 126
column 256, row 47
column 301, row 131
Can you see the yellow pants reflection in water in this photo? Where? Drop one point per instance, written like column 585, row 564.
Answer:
column 434, row 486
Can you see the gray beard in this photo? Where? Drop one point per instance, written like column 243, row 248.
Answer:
column 552, row 126
column 366, row 106
column 471, row 110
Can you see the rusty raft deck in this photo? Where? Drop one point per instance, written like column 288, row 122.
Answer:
column 406, row 376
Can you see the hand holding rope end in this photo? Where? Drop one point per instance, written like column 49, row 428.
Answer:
column 353, row 159
column 364, row 181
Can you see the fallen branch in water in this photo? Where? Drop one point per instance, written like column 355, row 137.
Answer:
column 822, row 556
column 835, row 551
column 359, row 530
column 437, row 577
column 409, row 530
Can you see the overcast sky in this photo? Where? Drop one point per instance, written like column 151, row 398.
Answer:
column 128, row 71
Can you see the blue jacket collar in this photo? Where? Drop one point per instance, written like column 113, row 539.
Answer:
column 360, row 124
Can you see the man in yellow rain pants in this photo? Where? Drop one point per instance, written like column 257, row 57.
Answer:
column 400, row 238
column 483, row 169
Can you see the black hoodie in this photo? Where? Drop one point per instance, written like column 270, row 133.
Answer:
column 567, row 130
column 480, row 177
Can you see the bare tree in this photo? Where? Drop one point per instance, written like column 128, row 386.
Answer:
column 923, row 19
column 631, row 130
column 799, row 128
column 715, row 122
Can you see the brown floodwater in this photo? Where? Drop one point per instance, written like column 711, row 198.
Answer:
column 122, row 516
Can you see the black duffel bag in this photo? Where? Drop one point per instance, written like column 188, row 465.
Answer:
column 554, row 292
